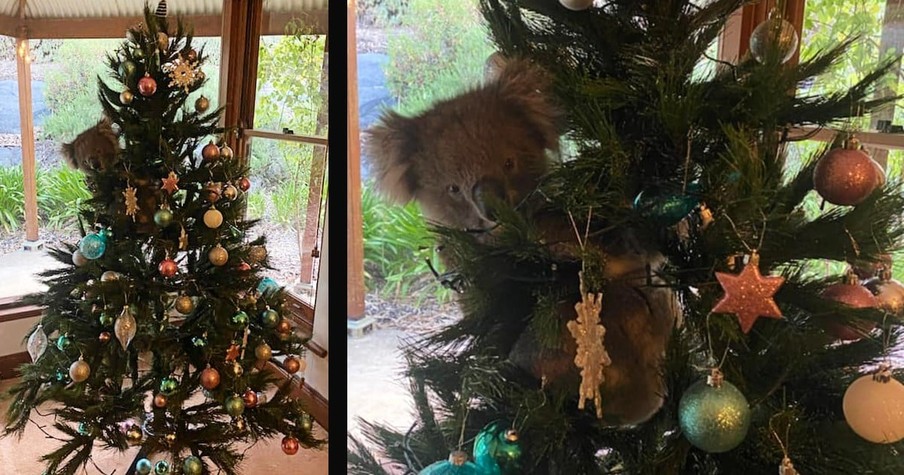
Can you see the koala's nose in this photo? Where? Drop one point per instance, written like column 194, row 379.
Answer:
column 488, row 194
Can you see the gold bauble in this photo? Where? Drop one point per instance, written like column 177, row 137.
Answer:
column 134, row 435
column 240, row 424
column 292, row 364
column 263, row 352
column 79, row 371
column 257, row 254
column 184, row 305
column 126, row 97
column 170, row 438
column 237, row 369
column 218, row 255
column 202, row 104
column 226, row 152
column 213, row 218
column 162, row 41
column 230, row 192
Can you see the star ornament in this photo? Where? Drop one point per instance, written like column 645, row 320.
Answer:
column 749, row 294
column 170, row 183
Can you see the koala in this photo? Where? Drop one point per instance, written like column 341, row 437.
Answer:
column 492, row 144
column 96, row 149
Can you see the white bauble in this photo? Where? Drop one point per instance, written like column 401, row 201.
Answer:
column 874, row 408
column 576, row 5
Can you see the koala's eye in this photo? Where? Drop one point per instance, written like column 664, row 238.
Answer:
column 453, row 189
column 509, row 164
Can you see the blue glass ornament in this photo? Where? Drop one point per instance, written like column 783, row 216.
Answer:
column 497, row 450
column 714, row 418
column 143, row 467
column 457, row 464
column 267, row 285
column 92, row 246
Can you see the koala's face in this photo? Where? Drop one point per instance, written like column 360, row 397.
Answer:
column 458, row 159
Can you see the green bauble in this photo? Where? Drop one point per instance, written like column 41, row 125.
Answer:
column 199, row 342
column 666, row 208
column 143, row 467
column 714, row 419
column 234, row 405
column 105, row 319
column 163, row 217
column 240, row 319
column 457, row 464
column 497, row 450
column 192, row 466
column 270, row 318
column 128, row 68
column 161, row 467
column 63, row 343
column 168, row 385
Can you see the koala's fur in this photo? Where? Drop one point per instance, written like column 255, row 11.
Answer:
column 493, row 142
column 94, row 150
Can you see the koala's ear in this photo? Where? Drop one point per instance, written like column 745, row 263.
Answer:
column 529, row 88
column 391, row 146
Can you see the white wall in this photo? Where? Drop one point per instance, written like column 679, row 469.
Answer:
column 13, row 333
column 317, row 373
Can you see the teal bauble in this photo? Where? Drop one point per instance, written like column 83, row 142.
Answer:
column 192, row 466
column 161, row 467
column 665, row 208
column 84, row 428
column 63, row 343
column 168, row 385
column 267, row 285
column 128, row 68
column 92, row 246
column 105, row 319
column 240, row 319
column 457, row 464
column 714, row 419
column 269, row 318
column 234, row 405
column 497, row 450
column 143, row 467
column 163, row 217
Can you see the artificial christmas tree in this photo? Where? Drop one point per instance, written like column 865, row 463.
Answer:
column 678, row 218
column 158, row 329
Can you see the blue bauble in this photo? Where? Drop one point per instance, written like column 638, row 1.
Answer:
column 92, row 246
column 446, row 467
column 161, row 468
column 497, row 450
column 714, row 419
column 143, row 467
column 267, row 285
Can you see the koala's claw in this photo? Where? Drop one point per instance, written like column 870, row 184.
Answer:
column 450, row 280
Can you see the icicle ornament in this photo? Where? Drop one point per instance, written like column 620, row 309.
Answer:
column 37, row 343
column 125, row 328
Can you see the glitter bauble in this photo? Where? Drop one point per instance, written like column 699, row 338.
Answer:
column 202, row 104
column 210, row 152
column 257, row 254
column 218, row 256
column 192, row 466
column 92, row 246
column 79, row 371
column 161, row 468
column 874, row 408
column 213, row 218
column 198, row 342
column 852, row 295
column 147, row 86
column 134, row 435
column 168, row 267
column 714, row 419
column 160, row 400
column 306, row 422
column 292, row 364
column 290, row 445
column 162, row 41
column 263, row 352
column 846, row 176
column 163, row 217
column 191, row 55
column 184, row 304
column 105, row 319
column 168, row 385
column 237, row 369
column 143, row 467
column 240, row 320
column 210, row 378
column 234, row 405
column 773, row 36
column 250, row 398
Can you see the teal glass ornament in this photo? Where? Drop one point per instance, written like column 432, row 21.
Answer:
column 163, row 217
column 61, row 376
column 714, row 418
column 105, row 319
column 192, row 466
column 92, row 246
column 161, row 467
column 270, row 318
column 497, row 450
column 457, row 464
column 267, row 285
column 168, row 385
column 240, row 319
column 143, row 467
column 63, row 343
column 84, row 428
column 665, row 208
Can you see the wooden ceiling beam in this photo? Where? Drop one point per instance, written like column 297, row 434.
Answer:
column 204, row 25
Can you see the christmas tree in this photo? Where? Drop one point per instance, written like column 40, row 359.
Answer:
column 659, row 303
column 158, row 327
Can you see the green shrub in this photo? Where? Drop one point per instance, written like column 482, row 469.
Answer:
column 257, row 204
column 381, row 12
column 12, row 198
column 439, row 50
column 60, row 193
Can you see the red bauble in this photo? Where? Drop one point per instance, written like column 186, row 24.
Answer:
column 290, row 445
column 846, row 176
column 250, row 398
column 292, row 365
column 244, row 183
column 852, row 295
column 168, row 267
column 147, row 86
column 210, row 152
column 210, row 378
column 104, row 337
column 160, row 400
column 244, row 266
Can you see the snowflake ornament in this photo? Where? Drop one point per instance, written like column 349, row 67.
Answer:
column 183, row 72
column 131, row 198
column 591, row 355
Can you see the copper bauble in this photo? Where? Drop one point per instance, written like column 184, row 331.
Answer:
column 250, row 398
column 244, row 267
column 126, row 97
column 290, row 445
column 168, row 267
column 244, row 184
column 889, row 294
column 213, row 218
column 210, row 378
column 210, row 152
column 191, row 55
column 218, row 255
column 104, row 337
column 852, row 295
column 226, row 152
column 211, row 192
column 202, row 104
column 284, row 326
column 846, row 176
column 147, row 86
column 263, row 352
column 292, row 365
column 160, row 400
column 184, row 305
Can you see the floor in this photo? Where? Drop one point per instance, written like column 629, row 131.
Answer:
column 266, row 458
column 18, row 272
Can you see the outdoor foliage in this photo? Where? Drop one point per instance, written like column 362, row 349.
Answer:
column 60, row 191
column 12, row 198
